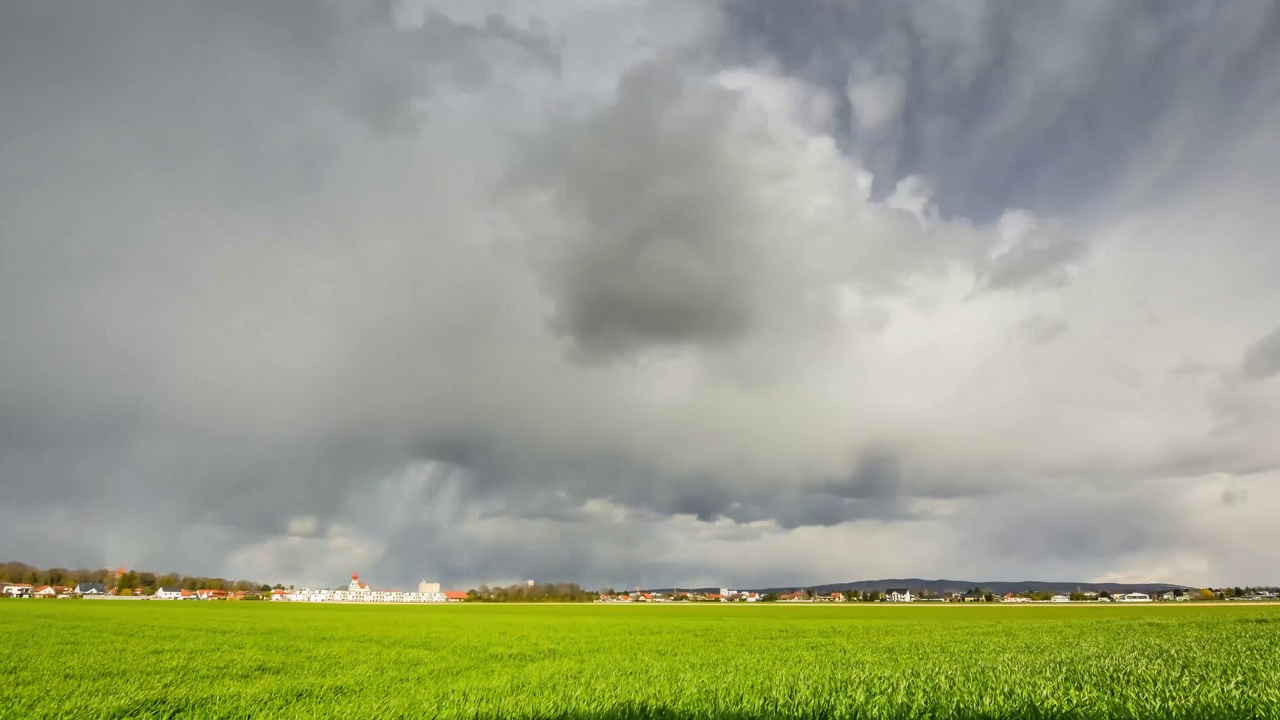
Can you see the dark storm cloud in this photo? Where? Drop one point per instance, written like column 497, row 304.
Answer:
column 665, row 254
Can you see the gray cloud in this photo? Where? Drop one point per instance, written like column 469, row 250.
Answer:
column 1001, row 104
column 479, row 296
column 1038, row 259
column 1262, row 359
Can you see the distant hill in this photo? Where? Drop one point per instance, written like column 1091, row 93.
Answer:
column 999, row 587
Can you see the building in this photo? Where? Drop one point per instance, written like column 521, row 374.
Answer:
column 360, row 592
column 169, row 593
column 90, row 589
column 18, row 590
column 1060, row 598
column 1134, row 597
column 898, row 595
column 45, row 591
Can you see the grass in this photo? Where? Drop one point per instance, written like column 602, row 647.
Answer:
column 168, row 659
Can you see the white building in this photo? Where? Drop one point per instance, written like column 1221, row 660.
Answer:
column 359, row 592
column 898, row 595
column 18, row 590
column 1134, row 597
column 168, row 593
column 1060, row 598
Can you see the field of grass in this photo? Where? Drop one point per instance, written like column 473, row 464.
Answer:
column 85, row 658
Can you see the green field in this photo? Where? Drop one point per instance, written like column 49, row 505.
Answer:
column 155, row 659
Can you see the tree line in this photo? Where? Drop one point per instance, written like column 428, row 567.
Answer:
column 537, row 592
column 131, row 580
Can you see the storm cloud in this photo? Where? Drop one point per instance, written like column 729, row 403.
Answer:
column 640, row 293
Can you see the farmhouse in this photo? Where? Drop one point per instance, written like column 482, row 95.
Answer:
column 898, row 595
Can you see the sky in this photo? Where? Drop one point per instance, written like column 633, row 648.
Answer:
column 641, row 292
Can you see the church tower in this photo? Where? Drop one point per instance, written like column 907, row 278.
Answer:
column 356, row 585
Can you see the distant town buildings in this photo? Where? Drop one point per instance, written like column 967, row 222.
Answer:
column 360, row 592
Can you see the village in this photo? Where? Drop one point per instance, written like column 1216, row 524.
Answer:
column 355, row 592
column 121, row 584
column 906, row 595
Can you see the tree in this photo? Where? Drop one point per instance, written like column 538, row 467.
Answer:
column 126, row 592
column 770, row 597
column 1205, row 594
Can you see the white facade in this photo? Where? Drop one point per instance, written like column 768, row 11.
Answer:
column 898, row 596
column 358, row 592
column 19, row 591
column 1134, row 597
column 1060, row 598
column 168, row 594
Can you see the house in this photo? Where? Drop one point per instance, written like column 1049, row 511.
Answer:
column 1060, row 598
column 169, row 593
column 1011, row 598
column 455, row 595
column 898, row 595
column 971, row 597
column 45, row 591
column 18, row 590
column 1134, row 597
column 277, row 594
column 90, row 589
column 797, row 596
